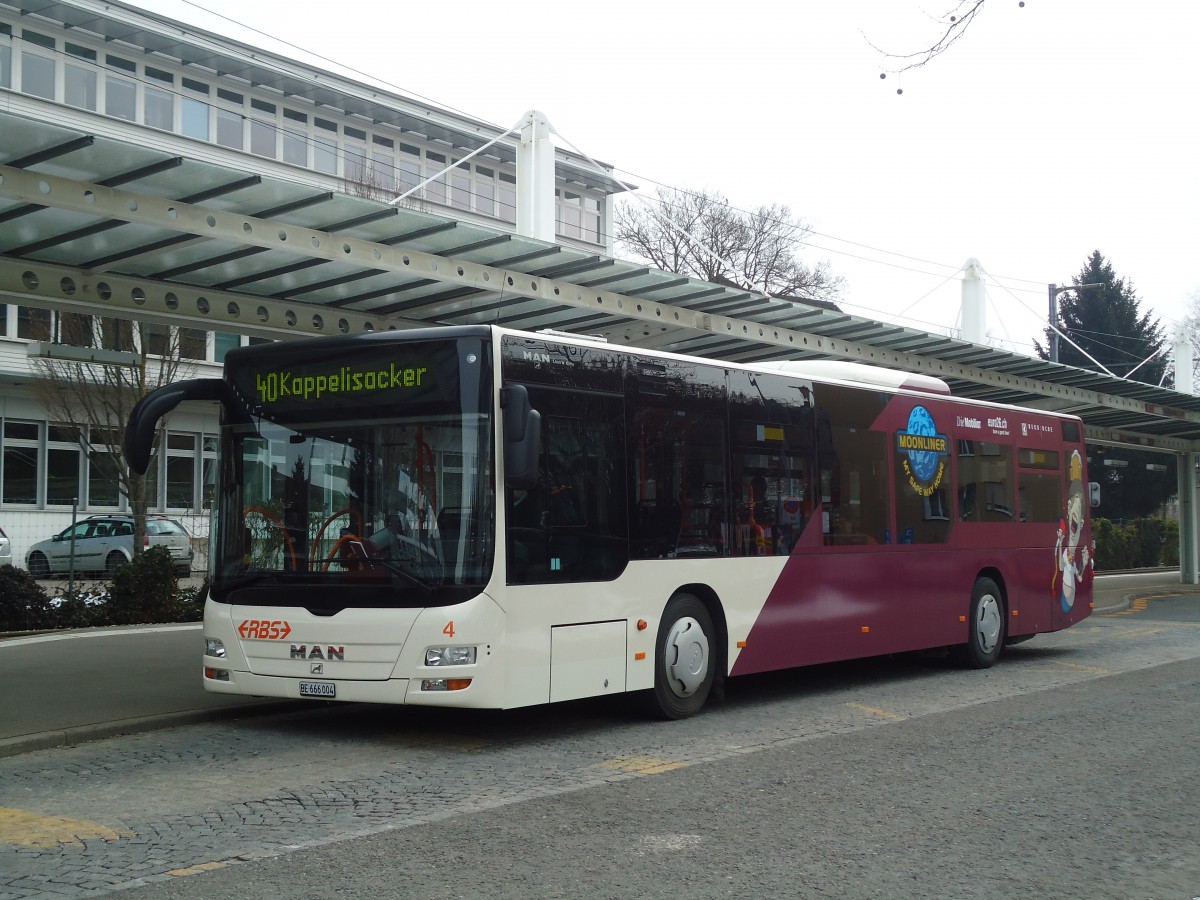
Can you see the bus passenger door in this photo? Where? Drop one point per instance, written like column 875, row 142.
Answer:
column 571, row 526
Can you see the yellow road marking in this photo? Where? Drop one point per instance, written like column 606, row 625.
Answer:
column 29, row 829
column 196, row 870
column 882, row 713
column 642, row 765
column 1092, row 670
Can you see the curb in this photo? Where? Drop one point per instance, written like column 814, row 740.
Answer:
column 69, row 737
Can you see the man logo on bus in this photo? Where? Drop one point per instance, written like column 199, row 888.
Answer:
column 1071, row 560
column 924, row 450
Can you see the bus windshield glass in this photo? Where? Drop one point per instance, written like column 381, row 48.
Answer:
column 361, row 463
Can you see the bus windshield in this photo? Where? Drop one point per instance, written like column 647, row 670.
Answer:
column 369, row 469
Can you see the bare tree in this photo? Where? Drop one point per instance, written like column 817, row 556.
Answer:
column 950, row 28
column 96, row 398
column 700, row 234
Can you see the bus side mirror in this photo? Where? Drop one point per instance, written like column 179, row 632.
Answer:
column 522, row 437
column 1094, row 493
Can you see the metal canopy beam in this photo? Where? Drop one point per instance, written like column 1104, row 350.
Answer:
column 45, row 284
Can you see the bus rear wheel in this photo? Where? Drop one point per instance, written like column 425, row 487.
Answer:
column 985, row 627
column 684, row 658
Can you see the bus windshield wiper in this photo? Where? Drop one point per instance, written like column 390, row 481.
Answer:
column 405, row 575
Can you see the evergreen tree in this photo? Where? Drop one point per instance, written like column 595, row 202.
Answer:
column 1106, row 322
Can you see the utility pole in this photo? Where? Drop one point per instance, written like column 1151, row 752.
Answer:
column 1055, row 290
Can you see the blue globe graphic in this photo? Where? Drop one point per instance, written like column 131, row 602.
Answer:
column 923, row 462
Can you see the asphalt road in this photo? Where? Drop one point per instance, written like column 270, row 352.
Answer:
column 1069, row 770
column 64, row 688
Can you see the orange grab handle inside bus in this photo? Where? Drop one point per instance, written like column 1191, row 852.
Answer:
column 355, row 520
column 286, row 537
column 339, row 545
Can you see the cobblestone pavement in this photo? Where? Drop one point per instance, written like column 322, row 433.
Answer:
column 148, row 808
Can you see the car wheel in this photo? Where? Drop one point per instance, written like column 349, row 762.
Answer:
column 985, row 629
column 39, row 566
column 684, row 659
column 115, row 561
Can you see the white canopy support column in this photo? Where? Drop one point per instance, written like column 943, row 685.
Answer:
column 1189, row 551
column 535, row 178
column 974, row 327
column 1183, row 366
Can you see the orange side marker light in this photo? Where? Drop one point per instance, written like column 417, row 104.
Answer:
column 641, row 624
column 641, row 654
column 742, row 644
column 866, row 629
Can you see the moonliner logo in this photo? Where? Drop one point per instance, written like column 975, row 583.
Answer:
column 925, row 452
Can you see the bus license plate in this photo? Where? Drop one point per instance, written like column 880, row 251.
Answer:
column 326, row 689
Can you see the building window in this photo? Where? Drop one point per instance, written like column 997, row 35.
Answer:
column 34, row 324
column 103, row 484
column 79, row 85
column 295, row 138
column 262, row 138
column 159, row 109
column 19, row 470
column 5, row 66
column 157, row 338
column 194, row 118
column 62, row 465
column 120, row 98
column 193, row 343
column 76, row 329
column 229, row 129
column 508, row 197
column 181, row 470
column 223, row 342
column 116, row 334
column 37, row 75
column 435, row 190
column 325, row 150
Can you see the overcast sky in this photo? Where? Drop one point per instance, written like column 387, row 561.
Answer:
column 1048, row 131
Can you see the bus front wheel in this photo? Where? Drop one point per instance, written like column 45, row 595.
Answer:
column 684, row 658
column 985, row 629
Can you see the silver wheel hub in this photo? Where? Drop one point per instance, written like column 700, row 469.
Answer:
column 687, row 657
column 987, row 623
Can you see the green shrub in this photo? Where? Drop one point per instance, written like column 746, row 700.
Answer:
column 24, row 605
column 1149, row 535
column 1115, row 547
column 1170, row 555
column 145, row 590
column 190, row 604
column 83, row 608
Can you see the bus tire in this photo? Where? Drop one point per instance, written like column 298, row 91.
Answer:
column 985, row 627
column 684, row 659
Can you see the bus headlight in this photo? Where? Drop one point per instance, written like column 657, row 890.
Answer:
column 213, row 647
column 450, row 656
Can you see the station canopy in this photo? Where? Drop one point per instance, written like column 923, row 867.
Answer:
column 90, row 223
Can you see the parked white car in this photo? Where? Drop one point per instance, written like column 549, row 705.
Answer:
column 103, row 543
column 5, row 549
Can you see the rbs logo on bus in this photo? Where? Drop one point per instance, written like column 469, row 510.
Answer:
column 925, row 452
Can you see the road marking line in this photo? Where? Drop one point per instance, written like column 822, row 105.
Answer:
column 196, row 870
column 29, row 829
column 882, row 713
column 1094, row 670
column 642, row 765
column 96, row 633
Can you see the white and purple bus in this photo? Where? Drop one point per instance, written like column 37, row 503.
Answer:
column 477, row 517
